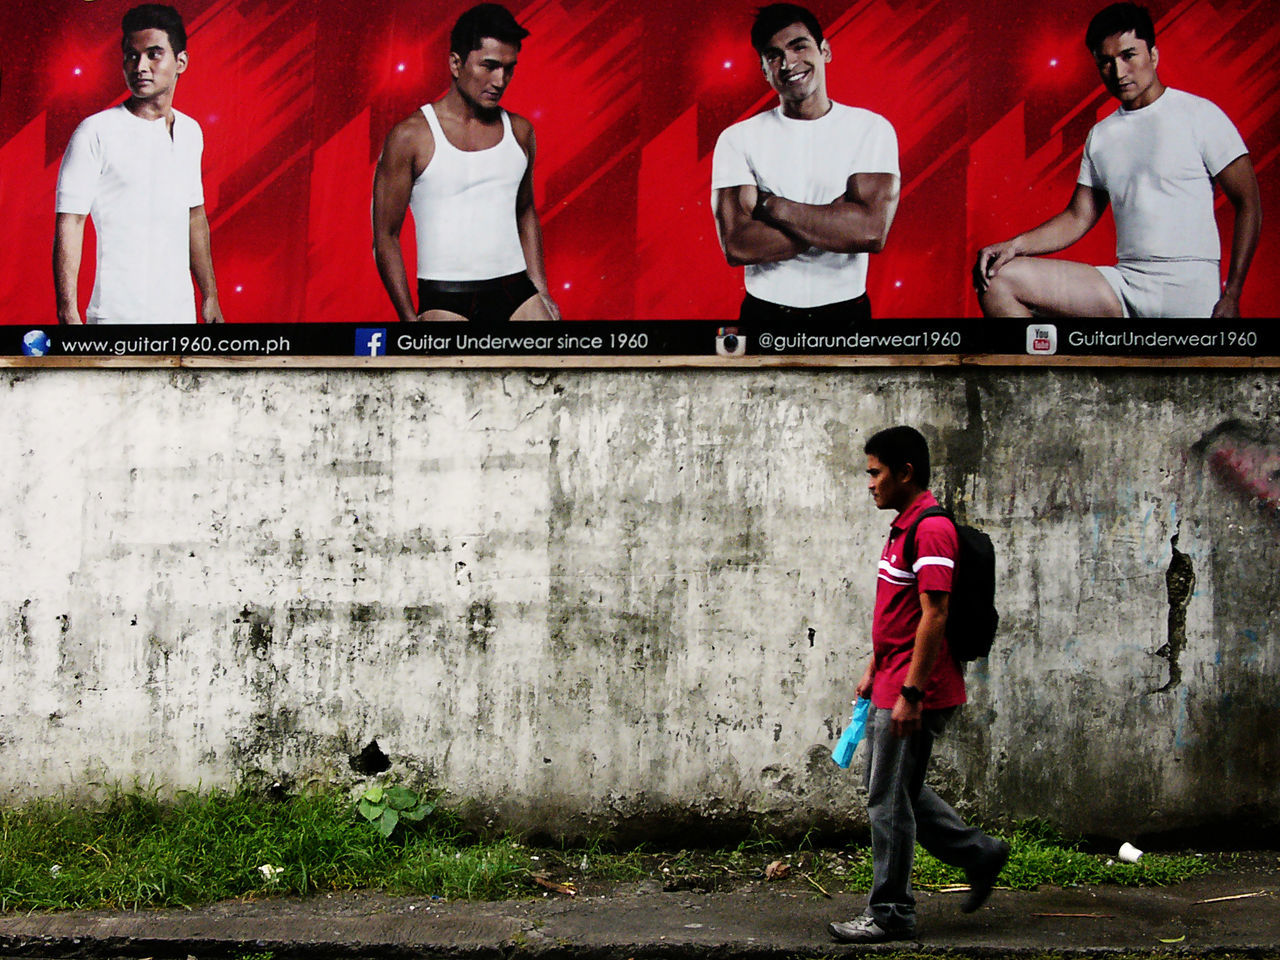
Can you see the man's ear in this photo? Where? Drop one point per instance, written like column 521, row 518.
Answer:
column 825, row 50
column 907, row 474
column 455, row 64
column 183, row 60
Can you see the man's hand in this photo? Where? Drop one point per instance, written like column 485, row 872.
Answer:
column 905, row 719
column 867, row 681
column 551, row 306
column 71, row 316
column 1228, row 308
column 759, row 211
column 990, row 260
column 211, row 310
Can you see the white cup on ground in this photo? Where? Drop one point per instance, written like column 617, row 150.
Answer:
column 1129, row 853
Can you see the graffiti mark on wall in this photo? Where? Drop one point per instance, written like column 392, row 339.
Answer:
column 1245, row 458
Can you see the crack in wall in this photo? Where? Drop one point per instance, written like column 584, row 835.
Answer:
column 1180, row 583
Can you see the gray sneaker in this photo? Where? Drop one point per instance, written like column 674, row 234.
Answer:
column 864, row 929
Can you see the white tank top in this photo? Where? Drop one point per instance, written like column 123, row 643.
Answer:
column 464, row 208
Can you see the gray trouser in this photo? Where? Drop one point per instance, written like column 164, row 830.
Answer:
column 902, row 809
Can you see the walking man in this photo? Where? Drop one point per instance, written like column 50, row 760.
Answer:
column 135, row 169
column 1156, row 160
column 915, row 685
column 464, row 166
column 804, row 192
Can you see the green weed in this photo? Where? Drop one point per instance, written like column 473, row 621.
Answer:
column 136, row 851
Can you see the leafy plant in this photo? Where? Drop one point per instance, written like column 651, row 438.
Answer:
column 385, row 807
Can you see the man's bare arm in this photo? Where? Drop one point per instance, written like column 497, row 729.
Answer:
column 1085, row 208
column 1240, row 184
column 743, row 240
column 392, row 187
column 857, row 222
column 202, row 266
column 68, row 245
column 930, row 639
column 527, row 222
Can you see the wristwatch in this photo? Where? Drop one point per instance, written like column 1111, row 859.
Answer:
column 912, row 695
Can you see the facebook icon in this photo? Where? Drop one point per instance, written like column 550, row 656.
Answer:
column 371, row 341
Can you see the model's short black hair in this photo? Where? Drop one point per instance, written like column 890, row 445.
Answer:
column 771, row 19
column 1120, row 18
column 898, row 446
column 485, row 20
column 156, row 16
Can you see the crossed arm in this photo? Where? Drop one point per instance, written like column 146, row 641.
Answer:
column 755, row 226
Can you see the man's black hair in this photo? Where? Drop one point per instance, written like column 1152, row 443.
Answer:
column 485, row 20
column 1120, row 18
column 156, row 16
column 776, row 16
column 898, row 446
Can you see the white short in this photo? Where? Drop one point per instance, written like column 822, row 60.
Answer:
column 1165, row 288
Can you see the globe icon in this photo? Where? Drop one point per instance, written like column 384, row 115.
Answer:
column 35, row 343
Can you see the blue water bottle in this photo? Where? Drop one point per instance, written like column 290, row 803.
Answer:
column 852, row 736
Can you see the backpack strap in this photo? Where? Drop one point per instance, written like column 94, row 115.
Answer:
column 909, row 542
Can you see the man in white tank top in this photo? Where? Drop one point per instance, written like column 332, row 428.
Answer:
column 464, row 166
column 1156, row 161
column 803, row 193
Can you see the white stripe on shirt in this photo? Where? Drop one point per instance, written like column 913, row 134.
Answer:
column 893, row 575
column 933, row 562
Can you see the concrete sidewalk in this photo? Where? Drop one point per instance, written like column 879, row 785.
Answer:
column 616, row 922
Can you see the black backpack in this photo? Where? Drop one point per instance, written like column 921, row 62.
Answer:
column 972, row 618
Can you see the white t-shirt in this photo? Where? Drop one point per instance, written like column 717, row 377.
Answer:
column 1155, row 164
column 809, row 161
column 138, row 184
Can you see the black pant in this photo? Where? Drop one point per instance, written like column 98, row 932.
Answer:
column 757, row 311
column 480, row 301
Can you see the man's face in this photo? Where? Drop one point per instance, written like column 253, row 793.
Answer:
column 483, row 76
column 150, row 66
column 1128, row 69
column 889, row 492
column 795, row 64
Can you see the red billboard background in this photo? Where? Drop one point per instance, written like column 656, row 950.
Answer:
column 991, row 101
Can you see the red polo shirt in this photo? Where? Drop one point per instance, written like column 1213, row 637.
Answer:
column 893, row 627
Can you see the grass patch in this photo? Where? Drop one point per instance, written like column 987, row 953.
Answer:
column 1038, row 856
column 136, row 851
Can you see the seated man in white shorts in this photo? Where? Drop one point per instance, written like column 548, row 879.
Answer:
column 1156, row 161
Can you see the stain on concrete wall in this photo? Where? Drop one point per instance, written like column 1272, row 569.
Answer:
column 632, row 600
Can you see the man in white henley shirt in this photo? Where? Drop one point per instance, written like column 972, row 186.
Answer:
column 1155, row 161
column 804, row 192
column 135, row 169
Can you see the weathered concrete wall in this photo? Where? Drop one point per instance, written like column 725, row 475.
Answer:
column 641, row 598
